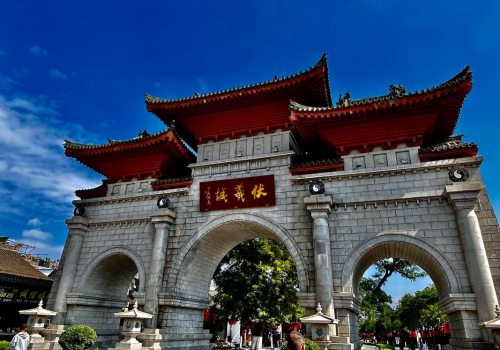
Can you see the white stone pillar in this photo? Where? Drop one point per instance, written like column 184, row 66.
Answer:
column 463, row 196
column 319, row 206
column 162, row 220
column 77, row 226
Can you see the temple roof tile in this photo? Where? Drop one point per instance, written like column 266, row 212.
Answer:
column 224, row 94
column 454, row 142
column 464, row 75
column 157, row 155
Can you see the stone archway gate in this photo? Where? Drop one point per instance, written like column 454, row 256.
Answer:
column 391, row 196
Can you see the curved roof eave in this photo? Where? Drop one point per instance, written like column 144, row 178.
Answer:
column 464, row 75
column 152, row 102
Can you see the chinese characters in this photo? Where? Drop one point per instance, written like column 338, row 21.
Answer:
column 237, row 193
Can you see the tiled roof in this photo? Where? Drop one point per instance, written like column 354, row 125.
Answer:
column 143, row 135
column 454, row 142
column 303, row 166
column 319, row 162
column 99, row 191
column 163, row 184
column 12, row 263
column 463, row 75
column 222, row 93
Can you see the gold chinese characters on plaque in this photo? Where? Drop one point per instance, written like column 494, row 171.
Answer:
column 246, row 192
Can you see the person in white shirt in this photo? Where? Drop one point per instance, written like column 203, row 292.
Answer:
column 21, row 340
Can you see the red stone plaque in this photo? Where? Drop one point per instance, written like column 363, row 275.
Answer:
column 246, row 192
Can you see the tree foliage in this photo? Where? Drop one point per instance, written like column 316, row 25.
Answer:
column 4, row 345
column 420, row 309
column 385, row 268
column 376, row 312
column 257, row 282
column 412, row 311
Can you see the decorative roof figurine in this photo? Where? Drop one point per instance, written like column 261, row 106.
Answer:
column 397, row 91
column 344, row 101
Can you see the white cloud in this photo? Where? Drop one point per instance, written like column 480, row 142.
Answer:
column 58, row 75
column 34, row 222
column 37, row 234
column 37, row 180
column 31, row 140
column 38, row 51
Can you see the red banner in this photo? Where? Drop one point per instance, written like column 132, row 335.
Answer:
column 246, row 192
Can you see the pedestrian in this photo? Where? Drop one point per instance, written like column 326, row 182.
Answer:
column 21, row 340
column 296, row 341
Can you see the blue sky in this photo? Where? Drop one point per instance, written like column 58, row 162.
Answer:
column 79, row 70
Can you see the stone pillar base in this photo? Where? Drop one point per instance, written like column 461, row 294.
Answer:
column 460, row 344
column 52, row 334
column 185, row 341
column 129, row 342
column 150, row 339
column 339, row 343
column 38, row 342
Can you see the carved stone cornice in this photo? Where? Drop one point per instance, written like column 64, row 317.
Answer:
column 457, row 302
column 77, row 225
column 163, row 216
column 396, row 170
column 463, row 195
column 170, row 299
column 344, row 300
column 133, row 198
column 319, row 205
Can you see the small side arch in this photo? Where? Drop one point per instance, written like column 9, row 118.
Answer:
column 200, row 255
column 121, row 260
column 403, row 246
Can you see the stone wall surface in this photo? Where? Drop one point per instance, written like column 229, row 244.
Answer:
column 397, row 210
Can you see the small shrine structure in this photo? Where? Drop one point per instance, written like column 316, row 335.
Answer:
column 38, row 319
column 341, row 184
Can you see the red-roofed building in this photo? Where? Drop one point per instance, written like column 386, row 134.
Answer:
column 341, row 185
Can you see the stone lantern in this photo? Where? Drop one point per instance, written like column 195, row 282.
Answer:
column 494, row 326
column 320, row 325
column 132, row 325
column 37, row 319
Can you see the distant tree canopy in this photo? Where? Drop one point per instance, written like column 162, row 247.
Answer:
column 412, row 311
column 420, row 309
column 257, row 282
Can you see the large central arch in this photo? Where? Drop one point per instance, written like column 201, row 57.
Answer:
column 197, row 260
column 188, row 282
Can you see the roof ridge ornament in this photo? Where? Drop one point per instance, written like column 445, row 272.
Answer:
column 319, row 308
column 396, row 91
column 344, row 101
column 323, row 60
column 143, row 134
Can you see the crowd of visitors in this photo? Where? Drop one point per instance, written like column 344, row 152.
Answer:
column 424, row 338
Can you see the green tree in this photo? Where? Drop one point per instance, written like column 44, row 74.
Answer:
column 257, row 282
column 376, row 312
column 385, row 268
column 420, row 309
